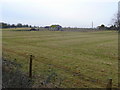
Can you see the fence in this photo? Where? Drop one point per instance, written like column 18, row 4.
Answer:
column 27, row 81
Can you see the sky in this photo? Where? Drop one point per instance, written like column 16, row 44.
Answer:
column 67, row 13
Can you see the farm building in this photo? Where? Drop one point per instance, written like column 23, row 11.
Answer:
column 54, row 27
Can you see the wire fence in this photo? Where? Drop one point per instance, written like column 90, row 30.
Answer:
column 13, row 77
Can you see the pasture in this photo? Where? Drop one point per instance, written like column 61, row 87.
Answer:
column 78, row 59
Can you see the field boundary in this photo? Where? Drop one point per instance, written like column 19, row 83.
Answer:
column 107, row 83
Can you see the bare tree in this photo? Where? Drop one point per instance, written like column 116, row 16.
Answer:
column 117, row 21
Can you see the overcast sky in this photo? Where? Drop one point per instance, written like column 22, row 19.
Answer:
column 73, row 13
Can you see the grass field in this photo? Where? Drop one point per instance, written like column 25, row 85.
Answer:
column 80, row 59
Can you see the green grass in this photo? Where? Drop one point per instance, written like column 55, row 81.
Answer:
column 78, row 58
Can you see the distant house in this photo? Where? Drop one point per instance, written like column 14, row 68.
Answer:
column 56, row 27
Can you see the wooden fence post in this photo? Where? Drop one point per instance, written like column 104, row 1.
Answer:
column 30, row 66
column 109, row 85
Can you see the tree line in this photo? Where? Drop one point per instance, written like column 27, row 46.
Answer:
column 103, row 27
column 19, row 25
column 115, row 26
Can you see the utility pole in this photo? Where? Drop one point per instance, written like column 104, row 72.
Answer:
column 92, row 24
